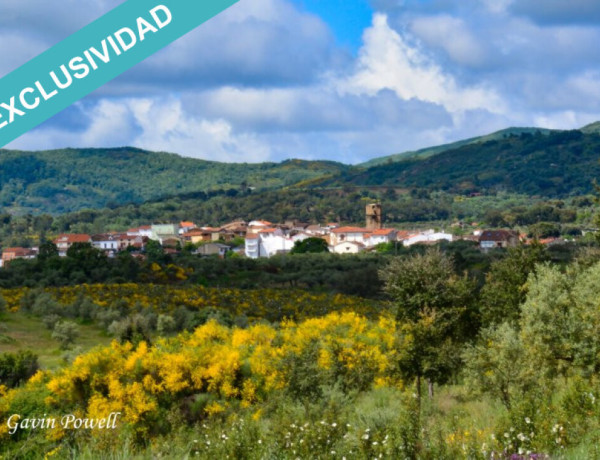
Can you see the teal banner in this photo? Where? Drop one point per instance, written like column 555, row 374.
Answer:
column 93, row 56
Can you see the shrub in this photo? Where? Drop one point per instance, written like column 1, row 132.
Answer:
column 16, row 368
column 65, row 332
column 133, row 329
column 165, row 324
column 51, row 320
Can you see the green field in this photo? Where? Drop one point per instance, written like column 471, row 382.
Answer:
column 21, row 332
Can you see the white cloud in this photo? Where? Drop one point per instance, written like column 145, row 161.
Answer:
column 265, row 80
column 452, row 35
column 389, row 61
column 152, row 124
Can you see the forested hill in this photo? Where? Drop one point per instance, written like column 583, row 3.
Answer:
column 60, row 181
column 552, row 164
column 430, row 151
column 545, row 163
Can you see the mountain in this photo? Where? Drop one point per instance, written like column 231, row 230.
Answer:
column 528, row 161
column 550, row 164
column 591, row 128
column 430, row 151
column 60, row 181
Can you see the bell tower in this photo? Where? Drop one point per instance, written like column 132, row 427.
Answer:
column 373, row 213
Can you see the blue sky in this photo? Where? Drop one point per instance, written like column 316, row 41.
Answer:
column 347, row 19
column 269, row 80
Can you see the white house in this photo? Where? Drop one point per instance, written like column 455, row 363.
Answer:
column 343, row 234
column 185, row 227
column 258, row 225
column 65, row 241
column 316, row 230
column 267, row 243
column 382, row 235
column 347, row 247
column 106, row 242
column 144, row 230
column 428, row 236
column 300, row 236
column 162, row 232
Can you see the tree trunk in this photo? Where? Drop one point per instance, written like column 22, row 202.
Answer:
column 419, row 389
column 430, row 388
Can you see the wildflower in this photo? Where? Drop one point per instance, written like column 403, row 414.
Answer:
column 260, row 441
column 365, row 437
column 334, row 424
column 527, row 420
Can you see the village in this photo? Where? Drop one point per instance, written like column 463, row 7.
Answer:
column 260, row 238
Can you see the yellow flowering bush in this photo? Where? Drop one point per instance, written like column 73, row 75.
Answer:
column 234, row 366
column 270, row 304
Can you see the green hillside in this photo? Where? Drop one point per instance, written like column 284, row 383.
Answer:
column 67, row 180
column 555, row 164
column 431, row 151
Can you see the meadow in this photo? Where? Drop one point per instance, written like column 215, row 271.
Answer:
column 442, row 369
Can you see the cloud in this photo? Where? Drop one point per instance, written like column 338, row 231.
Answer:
column 315, row 109
column 553, row 12
column 266, row 80
column 154, row 124
column 464, row 48
column 389, row 61
column 251, row 43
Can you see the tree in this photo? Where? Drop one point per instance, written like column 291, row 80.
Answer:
column 65, row 332
column 47, row 251
column 165, row 325
column 155, row 252
column 16, row 368
column 433, row 306
column 505, row 287
column 310, row 245
column 499, row 365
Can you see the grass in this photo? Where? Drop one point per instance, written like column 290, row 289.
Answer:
column 21, row 332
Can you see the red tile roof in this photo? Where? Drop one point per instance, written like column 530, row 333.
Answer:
column 350, row 230
column 383, row 231
column 498, row 235
column 73, row 238
column 402, row 234
column 18, row 252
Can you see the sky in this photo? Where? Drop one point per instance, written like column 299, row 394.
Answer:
column 269, row 80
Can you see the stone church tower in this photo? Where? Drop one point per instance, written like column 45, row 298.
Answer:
column 373, row 213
